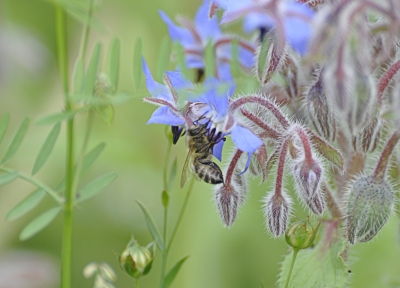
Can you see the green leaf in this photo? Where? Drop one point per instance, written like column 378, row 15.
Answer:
column 95, row 187
column 7, row 178
column 113, row 62
column 4, row 125
column 326, row 150
column 16, row 141
column 163, row 57
column 93, row 69
column 79, row 76
column 210, row 60
column 39, row 223
column 87, row 162
column 46, row 148
column 26, row 205
column 55, row 118
column 172, row 273
column 172, row 173
column 261, row 59
column 152, row 227
column 137, row 63
column 91, row 157
column 321, row 266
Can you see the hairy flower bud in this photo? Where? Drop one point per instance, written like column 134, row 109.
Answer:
column 228, row 200
column 308, row 175
column 320, row 111
column 277, row 213
column 301, row 235
column 136, row 260
column 369, row 205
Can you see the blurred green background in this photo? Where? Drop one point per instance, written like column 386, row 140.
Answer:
column 242, row 256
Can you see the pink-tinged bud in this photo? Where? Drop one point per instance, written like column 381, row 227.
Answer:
column 317, row 203
column 308, row 175
column 370, row 202
column 368, row 138
column 277, row 213
column 320, row 111
column 228, row 200
column 270, row 57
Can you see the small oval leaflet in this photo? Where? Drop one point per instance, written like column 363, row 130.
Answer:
column 39, row 223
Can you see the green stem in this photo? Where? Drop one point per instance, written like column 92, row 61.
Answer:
column 35, row 182
column 85, row 33
column 62, row 57
column 295, row 251
column 166, row 166
column 137, row 283
column 181, row 214
column 165, row 252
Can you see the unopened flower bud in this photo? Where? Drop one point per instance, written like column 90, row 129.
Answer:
column 277, row 212
column 307, row 176
column 317, row 203
column 301, row 235
column 136, row 260
column 228, row 200
column 320, row 111
column 369, row 205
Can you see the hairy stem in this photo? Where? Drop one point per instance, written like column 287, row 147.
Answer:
column 263, row 102
column 295, row 251
column 379, row 173
column 281, row 167
column 386, row 78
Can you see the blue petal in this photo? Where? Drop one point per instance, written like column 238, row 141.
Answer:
column 247, row 163
column 182, row 35
column 208, row 28
column 217, row 150
column 255, row 21
column 178, row 80
column 246, row 57
column 224, row 73
column 244, row 139
column 156, row 89
column 164, row 115
column 298, row 32
column 194, row 61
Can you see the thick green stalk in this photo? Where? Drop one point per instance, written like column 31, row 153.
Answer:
column 295, row 251
column 62, row 57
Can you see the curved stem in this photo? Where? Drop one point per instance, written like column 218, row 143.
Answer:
column 263, row 102
column 35, row 182
column 379, row 173
column 295, row 251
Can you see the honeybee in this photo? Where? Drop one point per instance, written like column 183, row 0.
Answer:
column 200, row 154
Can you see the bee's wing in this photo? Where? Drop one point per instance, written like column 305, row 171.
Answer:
column 186, row 169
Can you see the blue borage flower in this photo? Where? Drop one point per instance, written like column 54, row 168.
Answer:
column 290, row 18
column 194, row 36
column 210, row 105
